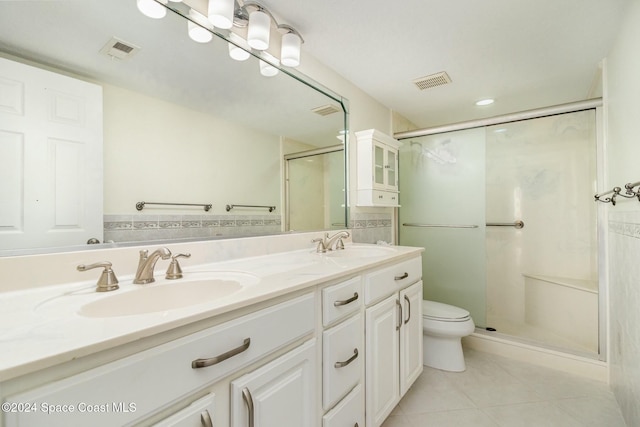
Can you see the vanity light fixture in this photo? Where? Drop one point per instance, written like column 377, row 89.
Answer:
column 199, row 28
column 221, row 13
column 152, row 9
column 487, row 101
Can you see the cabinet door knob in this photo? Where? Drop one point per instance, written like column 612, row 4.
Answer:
column 203, row 363
column 346, row 301
column 348, row 361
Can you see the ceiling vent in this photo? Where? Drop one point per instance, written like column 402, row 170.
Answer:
column 325, row 110
column 119, row 49
column 433, row 80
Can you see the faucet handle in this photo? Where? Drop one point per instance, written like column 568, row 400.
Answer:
column 321, row 248
column 174, row 271
column 107, row 281
column 339, row 244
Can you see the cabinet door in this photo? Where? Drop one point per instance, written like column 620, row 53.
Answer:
column 410, row 336
column 379, row 164
column 382, row 360
column 198, row 414
column 280, row 394
column 391, row 168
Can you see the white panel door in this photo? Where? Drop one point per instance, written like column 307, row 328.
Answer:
column 410, row 336
column 50, row 158
column 280, row 394
column 382, row 360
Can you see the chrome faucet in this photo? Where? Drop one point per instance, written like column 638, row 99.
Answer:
column 326, row 243
column 147, row 263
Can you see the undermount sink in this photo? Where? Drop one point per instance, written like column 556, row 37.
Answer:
column 360, row 252
column 167, row 295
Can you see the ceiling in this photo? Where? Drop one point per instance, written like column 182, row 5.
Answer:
column 524, row 54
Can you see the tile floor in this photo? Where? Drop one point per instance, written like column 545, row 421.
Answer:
column 500, row 392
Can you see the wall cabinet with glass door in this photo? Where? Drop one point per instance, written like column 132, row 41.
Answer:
column 377, row 169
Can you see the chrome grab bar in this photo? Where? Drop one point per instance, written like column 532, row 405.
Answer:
column 203, row 363
column 346, row 301
column 246, row 395
column 516, row 224
column 410, row 224
column 141, row 205
column 348, row 361
column 271, row 208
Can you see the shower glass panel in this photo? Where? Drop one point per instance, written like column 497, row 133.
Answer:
column 538, row 283
column 315, row 191
column 442, row 193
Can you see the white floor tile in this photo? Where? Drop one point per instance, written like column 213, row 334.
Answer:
column 498, row 392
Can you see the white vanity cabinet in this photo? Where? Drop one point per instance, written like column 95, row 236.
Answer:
column 131, row 389
column 393, row 323
column 377, row 169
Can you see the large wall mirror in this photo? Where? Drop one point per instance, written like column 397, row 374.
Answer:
column 181, row 123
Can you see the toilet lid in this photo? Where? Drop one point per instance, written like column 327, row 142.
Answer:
column 438, row 310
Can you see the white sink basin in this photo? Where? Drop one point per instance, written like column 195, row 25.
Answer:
column 361, row 252
column 164, row 295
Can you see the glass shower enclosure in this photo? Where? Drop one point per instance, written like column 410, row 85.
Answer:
column 508, row 222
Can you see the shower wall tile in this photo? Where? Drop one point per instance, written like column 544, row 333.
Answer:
column 372, row 227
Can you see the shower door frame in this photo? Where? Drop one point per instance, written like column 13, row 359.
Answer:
column 601, row 174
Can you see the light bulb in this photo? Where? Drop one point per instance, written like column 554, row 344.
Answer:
column 290, row 51
column 197, row 32
column 152, row 9
column 266, row 69
column 221, row 13
column 236, row 52
column 259, row 30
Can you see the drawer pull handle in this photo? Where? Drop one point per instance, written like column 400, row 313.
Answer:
column 205, row 418
column 404, row 276
column 346, row 301
column 400, row 316
column 406, row 298
column 246, row 396
column 348, row 361
column 203, row 363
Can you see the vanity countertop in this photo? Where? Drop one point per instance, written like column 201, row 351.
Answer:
column 42, row 327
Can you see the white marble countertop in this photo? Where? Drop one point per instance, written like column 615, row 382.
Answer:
column 42, row 327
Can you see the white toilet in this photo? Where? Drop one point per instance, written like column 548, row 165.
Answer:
column 443, row 327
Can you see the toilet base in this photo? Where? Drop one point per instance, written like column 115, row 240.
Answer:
column 444, row 353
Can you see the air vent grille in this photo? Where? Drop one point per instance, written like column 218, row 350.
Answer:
column 432, row 80
column 325, row 110
column 119, row 49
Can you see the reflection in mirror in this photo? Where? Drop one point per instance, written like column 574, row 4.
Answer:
column 178, row 122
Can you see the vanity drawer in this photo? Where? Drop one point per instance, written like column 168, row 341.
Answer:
column 382, row 283
column 341, row 300
column 349, row 412
column 342, row 359
column 139, row 385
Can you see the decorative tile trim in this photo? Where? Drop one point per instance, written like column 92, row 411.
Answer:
column 625, row 228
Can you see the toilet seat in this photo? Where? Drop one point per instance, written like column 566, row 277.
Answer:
column 443, row 312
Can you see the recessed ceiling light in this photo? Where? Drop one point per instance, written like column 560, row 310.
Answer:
column 487, row 101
